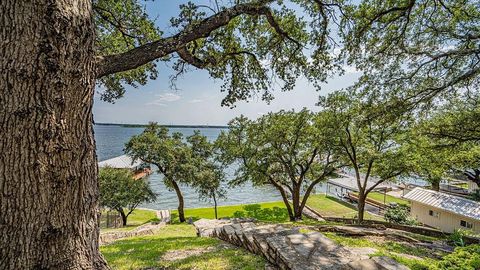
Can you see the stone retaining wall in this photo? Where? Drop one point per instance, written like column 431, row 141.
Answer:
column 289, row 249
column 146, row 229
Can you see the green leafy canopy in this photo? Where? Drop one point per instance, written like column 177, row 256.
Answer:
column 266, row 43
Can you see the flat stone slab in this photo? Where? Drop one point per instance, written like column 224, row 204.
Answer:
column 288, row 249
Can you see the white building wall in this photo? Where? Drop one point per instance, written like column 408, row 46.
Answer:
column 445, row 221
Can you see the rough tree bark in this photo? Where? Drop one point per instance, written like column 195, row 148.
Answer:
column 361, row 206
column 215, row 205
column 124, row 217
column 48, row 172
column 181, row 214
column 435, row 184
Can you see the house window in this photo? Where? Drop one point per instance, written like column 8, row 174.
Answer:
column 433, row 213
column 466, row 224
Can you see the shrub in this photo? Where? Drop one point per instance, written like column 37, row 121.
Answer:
column 463, row 258
column 400, row 214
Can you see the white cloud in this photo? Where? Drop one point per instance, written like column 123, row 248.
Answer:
column 195, row 101
column 164, row 98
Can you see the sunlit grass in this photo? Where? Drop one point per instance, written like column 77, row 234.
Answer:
column 268, row 211
column 148, row 252
column 331, row 207
column 414, row 257
column 385, row 198
column 136, row 218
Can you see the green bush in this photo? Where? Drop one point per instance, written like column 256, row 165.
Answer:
column 456, row 238
column 399, row 213
column 463, row 258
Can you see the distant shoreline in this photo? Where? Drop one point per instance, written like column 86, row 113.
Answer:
column 169, row 126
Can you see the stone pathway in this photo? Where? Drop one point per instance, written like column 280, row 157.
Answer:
column 145, row 229
column 164, row 216
column 289, row 249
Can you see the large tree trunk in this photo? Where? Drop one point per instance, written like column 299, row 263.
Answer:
column 123, row 216
column 361, row 206
column 297, row 210
column 436, row 184
column 215, row 205
column 48, row 166
column 181, row 206
column 285, row 199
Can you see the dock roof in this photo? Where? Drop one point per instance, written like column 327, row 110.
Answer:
column 450, row 203
column 350, row 183
column 120, row 162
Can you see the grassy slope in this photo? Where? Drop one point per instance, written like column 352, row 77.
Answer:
column 269, row 211
column 149, row 251
column 379, row 197
column 397, row 251
column 332, row 207
column 135, row 219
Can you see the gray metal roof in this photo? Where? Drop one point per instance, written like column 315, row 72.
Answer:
column 447, row 202
column 350, row 183
column 121, row 162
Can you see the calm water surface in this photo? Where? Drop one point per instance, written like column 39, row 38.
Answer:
column 111, row 142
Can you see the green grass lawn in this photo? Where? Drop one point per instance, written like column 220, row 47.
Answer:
column 417, row 258
column 269, row 212
column 136, row 218
column 388, row 198
column 178, row 247
column 331, row 207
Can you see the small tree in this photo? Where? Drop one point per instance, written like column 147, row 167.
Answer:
column 169, row 153
column 291, row 151
column 429, row 161
column 453, row 136
column 209, row 186
column 369, row 140
column 209, row 174
column 121, row 192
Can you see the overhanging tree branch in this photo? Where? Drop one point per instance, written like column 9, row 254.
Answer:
column 146, row 53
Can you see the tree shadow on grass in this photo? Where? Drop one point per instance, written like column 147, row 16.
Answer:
column 148, row 253
column 274, row 214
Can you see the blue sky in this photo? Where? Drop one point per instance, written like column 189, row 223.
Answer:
column 198, row 98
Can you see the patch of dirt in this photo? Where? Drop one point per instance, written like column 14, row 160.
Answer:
column 174, row 255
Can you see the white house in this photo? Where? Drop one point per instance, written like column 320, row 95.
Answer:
column 444, row 211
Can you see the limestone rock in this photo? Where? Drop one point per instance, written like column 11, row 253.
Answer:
column 288, row 249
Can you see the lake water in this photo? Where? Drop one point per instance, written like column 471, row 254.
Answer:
column 111, row 141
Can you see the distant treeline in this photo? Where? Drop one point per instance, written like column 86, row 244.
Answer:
column 169, row 126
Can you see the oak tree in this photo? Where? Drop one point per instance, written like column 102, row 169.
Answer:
column 170, row 155
column 291, row 151
column 120, row 191
column 209, row 175
column 417, row 52
column 54, row 52
column 369, row 140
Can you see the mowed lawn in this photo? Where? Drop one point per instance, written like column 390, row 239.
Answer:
column 268, row 211
column 135, row 219
column 331, row 207
column 380, row 197
column 177, row 247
